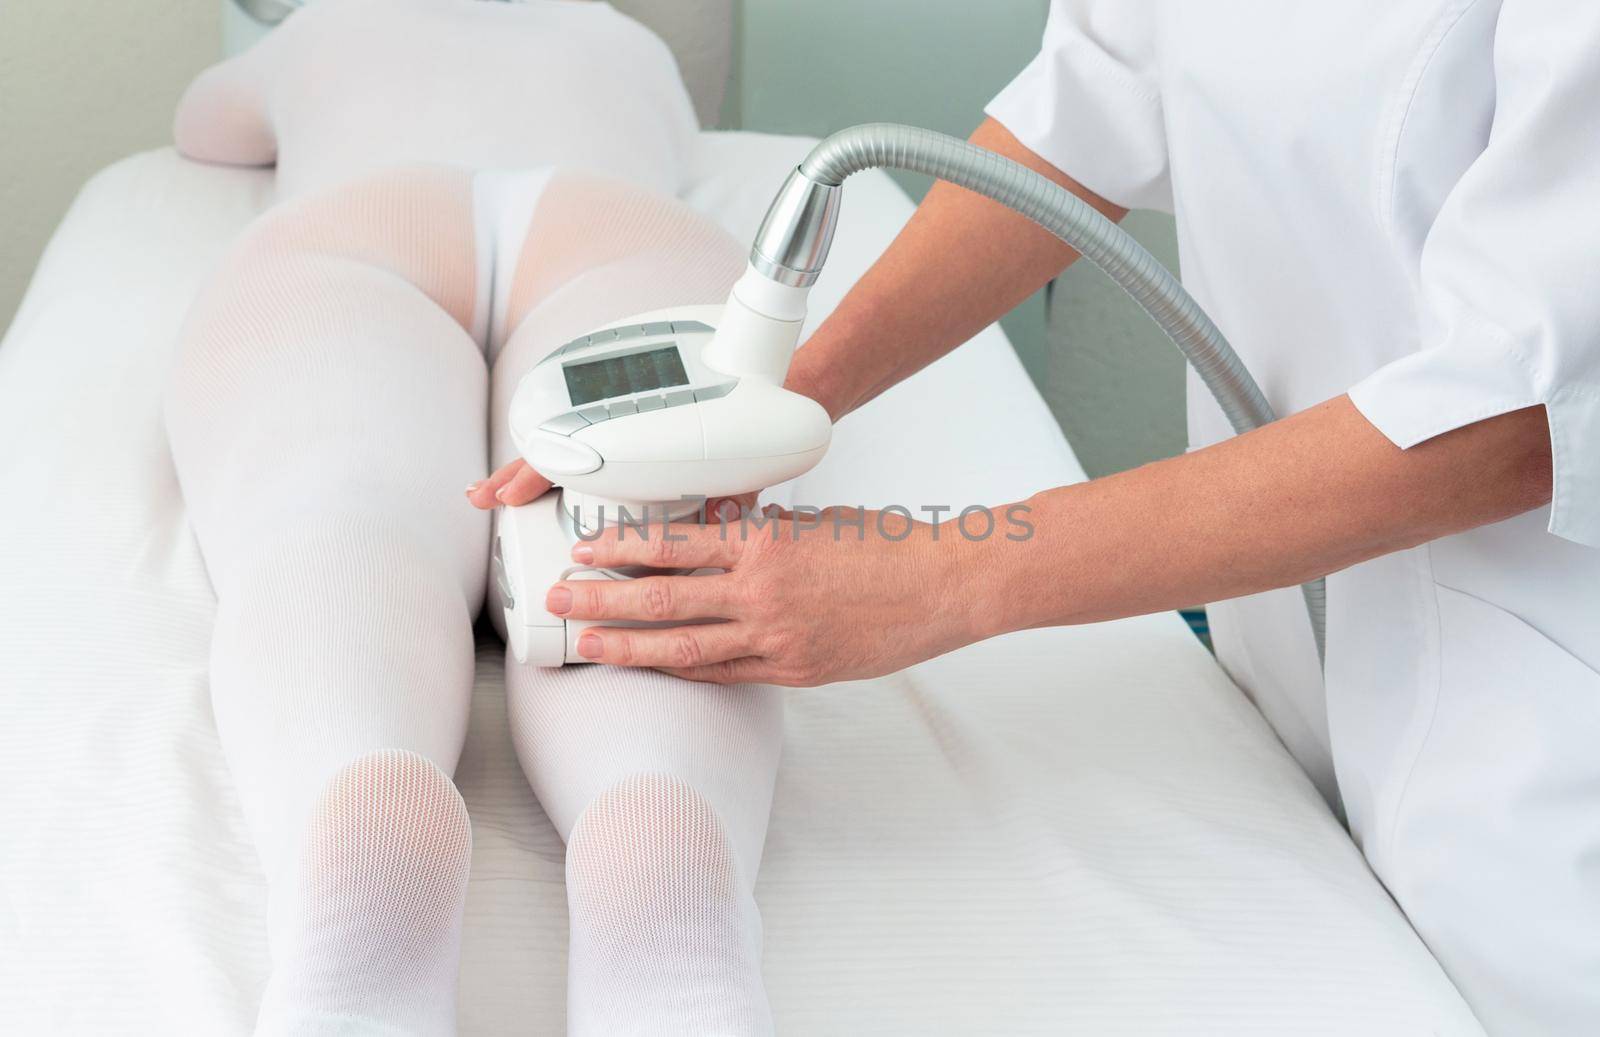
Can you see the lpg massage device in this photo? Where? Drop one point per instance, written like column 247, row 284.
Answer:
column 640, row 423
column 643, row 420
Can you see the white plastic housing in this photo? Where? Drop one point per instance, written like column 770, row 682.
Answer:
column 759, row 329
column 533, row 548
column 727, row 440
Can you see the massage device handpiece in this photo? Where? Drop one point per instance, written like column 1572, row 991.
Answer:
column 651, row 416
column 638, row 425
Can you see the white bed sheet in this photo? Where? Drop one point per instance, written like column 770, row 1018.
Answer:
column 1057, row 831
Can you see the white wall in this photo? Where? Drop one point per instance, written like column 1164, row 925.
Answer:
column 820, row 65
column 82, row 84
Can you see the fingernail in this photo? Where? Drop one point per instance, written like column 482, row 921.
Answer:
column 589, row 646
column 500, row 494
column 558, row 601
column 472, row 488
column 583, row 554
column 728, row 511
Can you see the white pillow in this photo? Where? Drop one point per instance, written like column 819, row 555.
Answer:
column 348, row 87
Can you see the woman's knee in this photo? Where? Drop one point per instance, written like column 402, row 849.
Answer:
column 397, row 798
column 650, row 844
column 390, row 828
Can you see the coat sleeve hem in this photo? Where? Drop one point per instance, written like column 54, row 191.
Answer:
column 1480, row 374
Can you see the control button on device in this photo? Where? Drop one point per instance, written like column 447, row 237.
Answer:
column 622, row 408
column 566, row 424
column 561, row 455
column 631, row 331
column 595, row 415
column 601, row 338
column 684, row 327
column 557, row 352
column 659, row 327
column 651, row 403
column 679, row 396
column 577, row 343
column 714, row 392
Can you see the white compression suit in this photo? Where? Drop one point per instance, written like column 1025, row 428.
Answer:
column 338, row 379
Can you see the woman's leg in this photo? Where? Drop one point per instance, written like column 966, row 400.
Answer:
column 325, row 411
column 661, row 787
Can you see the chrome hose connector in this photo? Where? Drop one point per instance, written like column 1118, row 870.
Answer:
column 793, row 243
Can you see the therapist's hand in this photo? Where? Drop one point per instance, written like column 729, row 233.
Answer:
column 515, row 484
column 802, row 606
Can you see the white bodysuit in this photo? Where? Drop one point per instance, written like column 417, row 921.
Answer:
column 330, row 400
column 1398, row 200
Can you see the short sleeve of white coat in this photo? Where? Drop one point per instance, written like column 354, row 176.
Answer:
column 1510, row 274
column 1089, row 104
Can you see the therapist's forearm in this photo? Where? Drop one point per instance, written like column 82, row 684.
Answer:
column 809, row 604
column 1297, row 499
column 961, row 263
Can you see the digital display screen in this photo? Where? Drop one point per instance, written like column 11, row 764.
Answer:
column 621, row 375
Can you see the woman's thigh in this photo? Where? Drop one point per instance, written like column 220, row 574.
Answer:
column 327, row 369
column 596, row 252
column 327, row 406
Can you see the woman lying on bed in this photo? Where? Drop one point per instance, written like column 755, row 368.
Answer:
column 337, row 381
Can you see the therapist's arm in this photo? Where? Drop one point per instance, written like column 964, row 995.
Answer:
column 1308, row 495
column 1304, row 496
column 960, row 264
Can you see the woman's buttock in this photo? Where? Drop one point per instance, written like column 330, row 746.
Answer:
column 491, row 247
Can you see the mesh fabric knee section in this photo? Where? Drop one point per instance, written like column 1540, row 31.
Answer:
column 665, row 935
column 367, row 939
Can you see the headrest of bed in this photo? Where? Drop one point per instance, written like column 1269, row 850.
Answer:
column 700, row 33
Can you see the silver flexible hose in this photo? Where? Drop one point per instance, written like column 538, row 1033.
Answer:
column 1097, row 239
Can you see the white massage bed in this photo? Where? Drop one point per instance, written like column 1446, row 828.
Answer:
column 1078, row 830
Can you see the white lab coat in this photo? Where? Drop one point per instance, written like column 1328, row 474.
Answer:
column 1399, row 200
